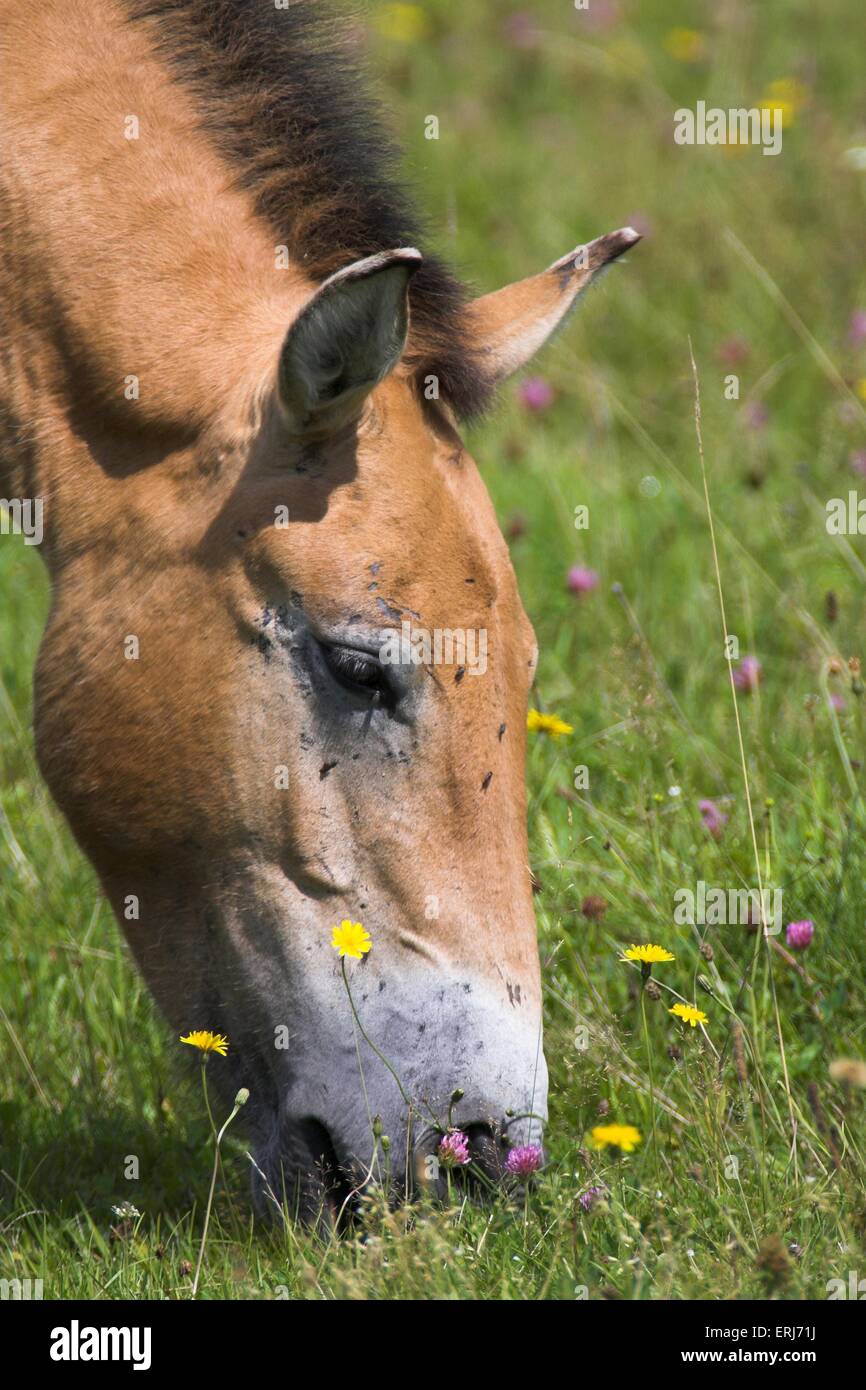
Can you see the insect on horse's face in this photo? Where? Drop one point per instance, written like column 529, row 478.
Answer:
column 326, row 721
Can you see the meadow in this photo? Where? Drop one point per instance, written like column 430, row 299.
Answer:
column 555, row 125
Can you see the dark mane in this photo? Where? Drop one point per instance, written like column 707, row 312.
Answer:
column 279, row 92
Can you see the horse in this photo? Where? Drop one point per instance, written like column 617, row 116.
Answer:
column 237, row 387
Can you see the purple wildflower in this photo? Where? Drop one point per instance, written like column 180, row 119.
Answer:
column 799, row 934
column 756, row 415
column 453, row 1149
column 748, row 673
column 581, row 580
column 536, row 393
column 591, row 1197
column 603, row 15
column 524, row 1160
column 714, row 819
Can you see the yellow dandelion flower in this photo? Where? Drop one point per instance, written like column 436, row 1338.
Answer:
column 649, row 955
column 689, row 1014
column 686, row 45
column 787, row 96
column 786, row 110
column 206, row 1041
column 623, row 1137
column 350, row 939
column 403, row 23
column 538, row 723
column 789, row 91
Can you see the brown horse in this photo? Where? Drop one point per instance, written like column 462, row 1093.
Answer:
column 236, row 387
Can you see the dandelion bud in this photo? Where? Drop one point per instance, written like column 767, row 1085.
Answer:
column 705, row 984
column 242, row 1096
column 457, row 1095
column 377, row 1126
column 386, row 1143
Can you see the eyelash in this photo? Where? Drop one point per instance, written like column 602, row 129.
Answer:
column 358, row 672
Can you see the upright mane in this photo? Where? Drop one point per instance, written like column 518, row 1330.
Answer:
column 279, row 92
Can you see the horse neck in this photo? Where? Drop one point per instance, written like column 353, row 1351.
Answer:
column 142, row 296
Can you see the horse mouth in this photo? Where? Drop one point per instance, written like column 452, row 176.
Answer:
column 319, row 1188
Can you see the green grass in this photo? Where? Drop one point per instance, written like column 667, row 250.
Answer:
column 539, row 149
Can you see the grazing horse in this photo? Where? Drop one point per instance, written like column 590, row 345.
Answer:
column 236, row 386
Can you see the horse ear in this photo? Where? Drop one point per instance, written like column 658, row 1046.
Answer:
column 510, row 325
column 345, row 340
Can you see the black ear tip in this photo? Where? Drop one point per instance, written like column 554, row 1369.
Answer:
column 609, row 247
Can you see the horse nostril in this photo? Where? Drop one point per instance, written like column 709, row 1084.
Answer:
column 486, row 1148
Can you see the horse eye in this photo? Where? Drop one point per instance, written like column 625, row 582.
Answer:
column 358, row 671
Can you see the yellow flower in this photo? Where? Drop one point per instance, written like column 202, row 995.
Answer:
column 785, row 109
column 689, row 1014
column 206, row 1041
column 538, row 723
column 623, row 1137
column 351, row 940
column 686, row 45
column 787, row 95
column 404, row 23
column 648, row 955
